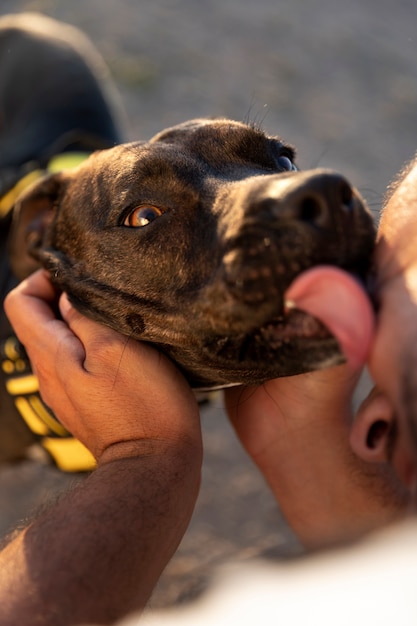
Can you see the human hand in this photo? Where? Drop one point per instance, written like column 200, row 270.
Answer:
column 263, row 416
column 297, row 429
column 287, row 403
column 117, row 396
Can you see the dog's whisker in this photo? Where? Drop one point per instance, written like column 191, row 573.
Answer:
column 119, row 364
column 243, row 396
column 315, row 164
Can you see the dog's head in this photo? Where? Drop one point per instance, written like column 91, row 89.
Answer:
column 189, row 241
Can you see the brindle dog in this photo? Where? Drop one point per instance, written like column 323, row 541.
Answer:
column 190, row 240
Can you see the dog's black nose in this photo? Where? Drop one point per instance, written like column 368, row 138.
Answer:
column 282, row 225
column 308, row 197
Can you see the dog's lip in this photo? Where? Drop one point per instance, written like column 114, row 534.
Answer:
column 340, row 303
column 293, row 325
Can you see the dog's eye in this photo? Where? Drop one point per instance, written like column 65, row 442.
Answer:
column 142, row 216
column 286, row 164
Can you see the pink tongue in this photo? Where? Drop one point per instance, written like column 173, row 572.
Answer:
column 341, row 304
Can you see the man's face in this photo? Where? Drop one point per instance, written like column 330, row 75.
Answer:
column 387, row 427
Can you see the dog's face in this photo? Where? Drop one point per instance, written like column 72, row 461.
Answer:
column 189, row 241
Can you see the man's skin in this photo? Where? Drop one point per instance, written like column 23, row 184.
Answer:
column 98, row 553
column 298, row 435
column 393, row 358
column 138, row 502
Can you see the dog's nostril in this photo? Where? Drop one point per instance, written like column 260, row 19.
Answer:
column 314, row 206
column 311, row 209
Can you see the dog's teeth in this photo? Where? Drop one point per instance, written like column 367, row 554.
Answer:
column 289, row 304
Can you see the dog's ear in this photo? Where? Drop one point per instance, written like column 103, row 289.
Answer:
column 32, row 214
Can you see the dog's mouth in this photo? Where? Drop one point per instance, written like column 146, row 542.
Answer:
column 294, row 325
column 279, row 347
column 327, row 319
column 288, row 344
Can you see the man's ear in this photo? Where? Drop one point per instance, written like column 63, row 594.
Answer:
column 32, row 214
column 371, row 433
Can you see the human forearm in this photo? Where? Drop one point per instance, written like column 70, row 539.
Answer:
column 98, row 553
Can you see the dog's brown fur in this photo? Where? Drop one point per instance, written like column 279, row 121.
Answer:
column 231, row 223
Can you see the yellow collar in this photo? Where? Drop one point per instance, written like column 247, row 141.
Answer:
column 58, row 163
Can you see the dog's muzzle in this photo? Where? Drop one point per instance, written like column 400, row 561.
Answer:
column 282, row 225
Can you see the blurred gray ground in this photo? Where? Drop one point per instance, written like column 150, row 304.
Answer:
column 338, row 80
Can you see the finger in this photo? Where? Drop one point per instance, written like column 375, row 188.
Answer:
column 30, row 309
column 80, row 324
column 119, row 360
column 103, row 346
column 37, row 293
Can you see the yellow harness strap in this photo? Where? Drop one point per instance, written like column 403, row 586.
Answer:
column 69, row 454
column 58, row 163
